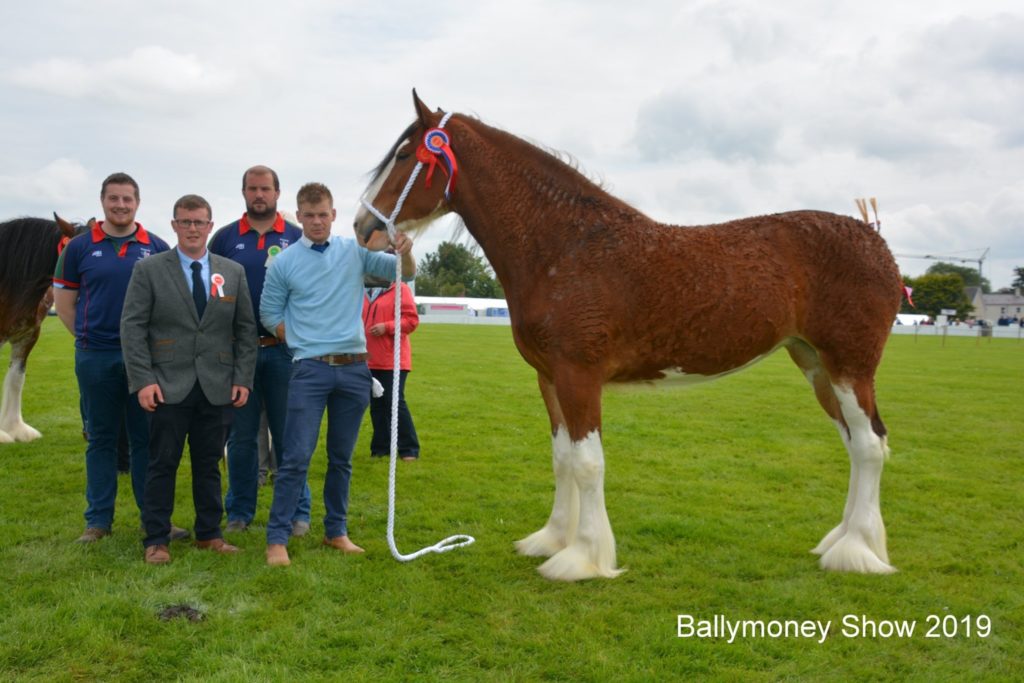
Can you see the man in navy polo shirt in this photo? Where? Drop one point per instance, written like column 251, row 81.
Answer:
column 89, row 287
column 254, row 241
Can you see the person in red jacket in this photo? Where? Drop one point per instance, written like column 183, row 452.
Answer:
column 379, row 321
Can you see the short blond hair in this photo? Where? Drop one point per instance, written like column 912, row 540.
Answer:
column 313, row 193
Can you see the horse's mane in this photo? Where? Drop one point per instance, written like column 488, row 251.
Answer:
column 558, row 175
column 566, row 161
column 28, row 255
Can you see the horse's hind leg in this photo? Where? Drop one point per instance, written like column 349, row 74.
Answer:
column 12, row 427
column 857, row 543
column 560, row 528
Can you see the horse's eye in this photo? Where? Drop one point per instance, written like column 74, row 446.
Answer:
column 402, row 156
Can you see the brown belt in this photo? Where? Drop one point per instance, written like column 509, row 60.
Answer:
column 342, row 358
column 269, row 341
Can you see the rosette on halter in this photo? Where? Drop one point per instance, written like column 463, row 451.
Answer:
column 437, row 145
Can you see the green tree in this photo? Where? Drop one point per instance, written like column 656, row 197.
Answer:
column 453, row 270
column 971, row 276
column 1018, row 281
column 935, row 291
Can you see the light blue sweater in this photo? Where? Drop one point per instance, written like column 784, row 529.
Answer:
column 319, row 296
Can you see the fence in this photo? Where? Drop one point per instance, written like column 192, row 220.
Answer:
column 997, row 332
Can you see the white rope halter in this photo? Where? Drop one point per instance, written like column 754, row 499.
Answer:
column 452, row 542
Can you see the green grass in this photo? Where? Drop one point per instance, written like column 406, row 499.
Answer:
column 716, row 494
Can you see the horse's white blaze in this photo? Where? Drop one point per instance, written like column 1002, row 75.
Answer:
column 370, row 195
column 12, row 427
column 591, row 552
column 858, row 542
column 561, row 525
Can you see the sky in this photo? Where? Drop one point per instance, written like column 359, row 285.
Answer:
column 694, row 111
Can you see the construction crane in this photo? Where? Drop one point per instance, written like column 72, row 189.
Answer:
column 958, row 259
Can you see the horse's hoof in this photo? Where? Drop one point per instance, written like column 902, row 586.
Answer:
column 541, row 543
column 20, row 432
column 852, row 554
column 5, row 437
column 572, row 564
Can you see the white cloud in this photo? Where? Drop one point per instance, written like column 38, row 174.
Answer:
column 695, row 112
column 150, row 75
column 45, row 190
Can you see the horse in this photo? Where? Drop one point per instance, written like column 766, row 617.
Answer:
column 599, row 293
column 28, row 255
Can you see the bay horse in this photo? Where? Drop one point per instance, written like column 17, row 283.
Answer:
column 28, row 256
column 598, row 292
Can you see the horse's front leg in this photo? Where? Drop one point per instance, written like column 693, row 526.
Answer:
column 591, row 550
column 561, row 525
column 12, row 427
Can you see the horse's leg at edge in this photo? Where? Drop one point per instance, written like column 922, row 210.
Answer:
column 560, row 528
column 12, row 427
column 857, row 543
column 591, row 551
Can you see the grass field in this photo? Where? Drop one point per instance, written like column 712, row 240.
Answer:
column 716, row 495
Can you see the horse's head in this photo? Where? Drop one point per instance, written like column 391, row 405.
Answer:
column 70, row 230
column 426, row 198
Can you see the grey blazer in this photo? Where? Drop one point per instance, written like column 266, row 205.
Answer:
column 164, row 342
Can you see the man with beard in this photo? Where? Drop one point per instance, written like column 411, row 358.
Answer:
column 89, row 283
column 253, row 241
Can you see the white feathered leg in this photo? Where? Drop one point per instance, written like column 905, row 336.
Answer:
column 12, row 427
column 592, row 552
column 561, row 525
column 858, row 544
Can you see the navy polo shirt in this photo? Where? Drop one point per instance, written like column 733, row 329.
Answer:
column 99, row 267
column 254, row 252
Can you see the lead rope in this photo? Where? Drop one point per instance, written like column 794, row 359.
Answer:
column 458, row 540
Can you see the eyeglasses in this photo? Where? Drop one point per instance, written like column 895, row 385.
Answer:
column 186, row 223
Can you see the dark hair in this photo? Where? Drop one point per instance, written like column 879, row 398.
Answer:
column 119, row 178
column 261, row 170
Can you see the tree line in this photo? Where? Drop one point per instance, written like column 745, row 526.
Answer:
column 942, row 286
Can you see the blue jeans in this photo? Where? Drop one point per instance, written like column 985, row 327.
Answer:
column 270, row 390
column 105, row 402
column 344, row 391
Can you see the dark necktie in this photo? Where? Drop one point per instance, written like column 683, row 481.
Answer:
column 198, row 289
column 321, row 247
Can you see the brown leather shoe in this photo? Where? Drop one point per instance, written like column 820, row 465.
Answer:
column 157, row 554
column 277, row 555
column 218, row 545
column 343, row 544
column 92, row 534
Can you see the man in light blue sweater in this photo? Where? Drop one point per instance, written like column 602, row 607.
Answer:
column 313, row 300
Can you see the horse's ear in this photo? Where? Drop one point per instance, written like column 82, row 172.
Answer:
column 422, row 110
column 65, row 227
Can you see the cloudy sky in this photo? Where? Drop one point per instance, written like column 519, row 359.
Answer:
column 693, row 111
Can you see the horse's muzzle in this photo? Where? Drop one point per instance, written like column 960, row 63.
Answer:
column 371, row 232
column 365, row 225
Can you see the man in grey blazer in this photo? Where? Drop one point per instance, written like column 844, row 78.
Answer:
column 189, row 339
